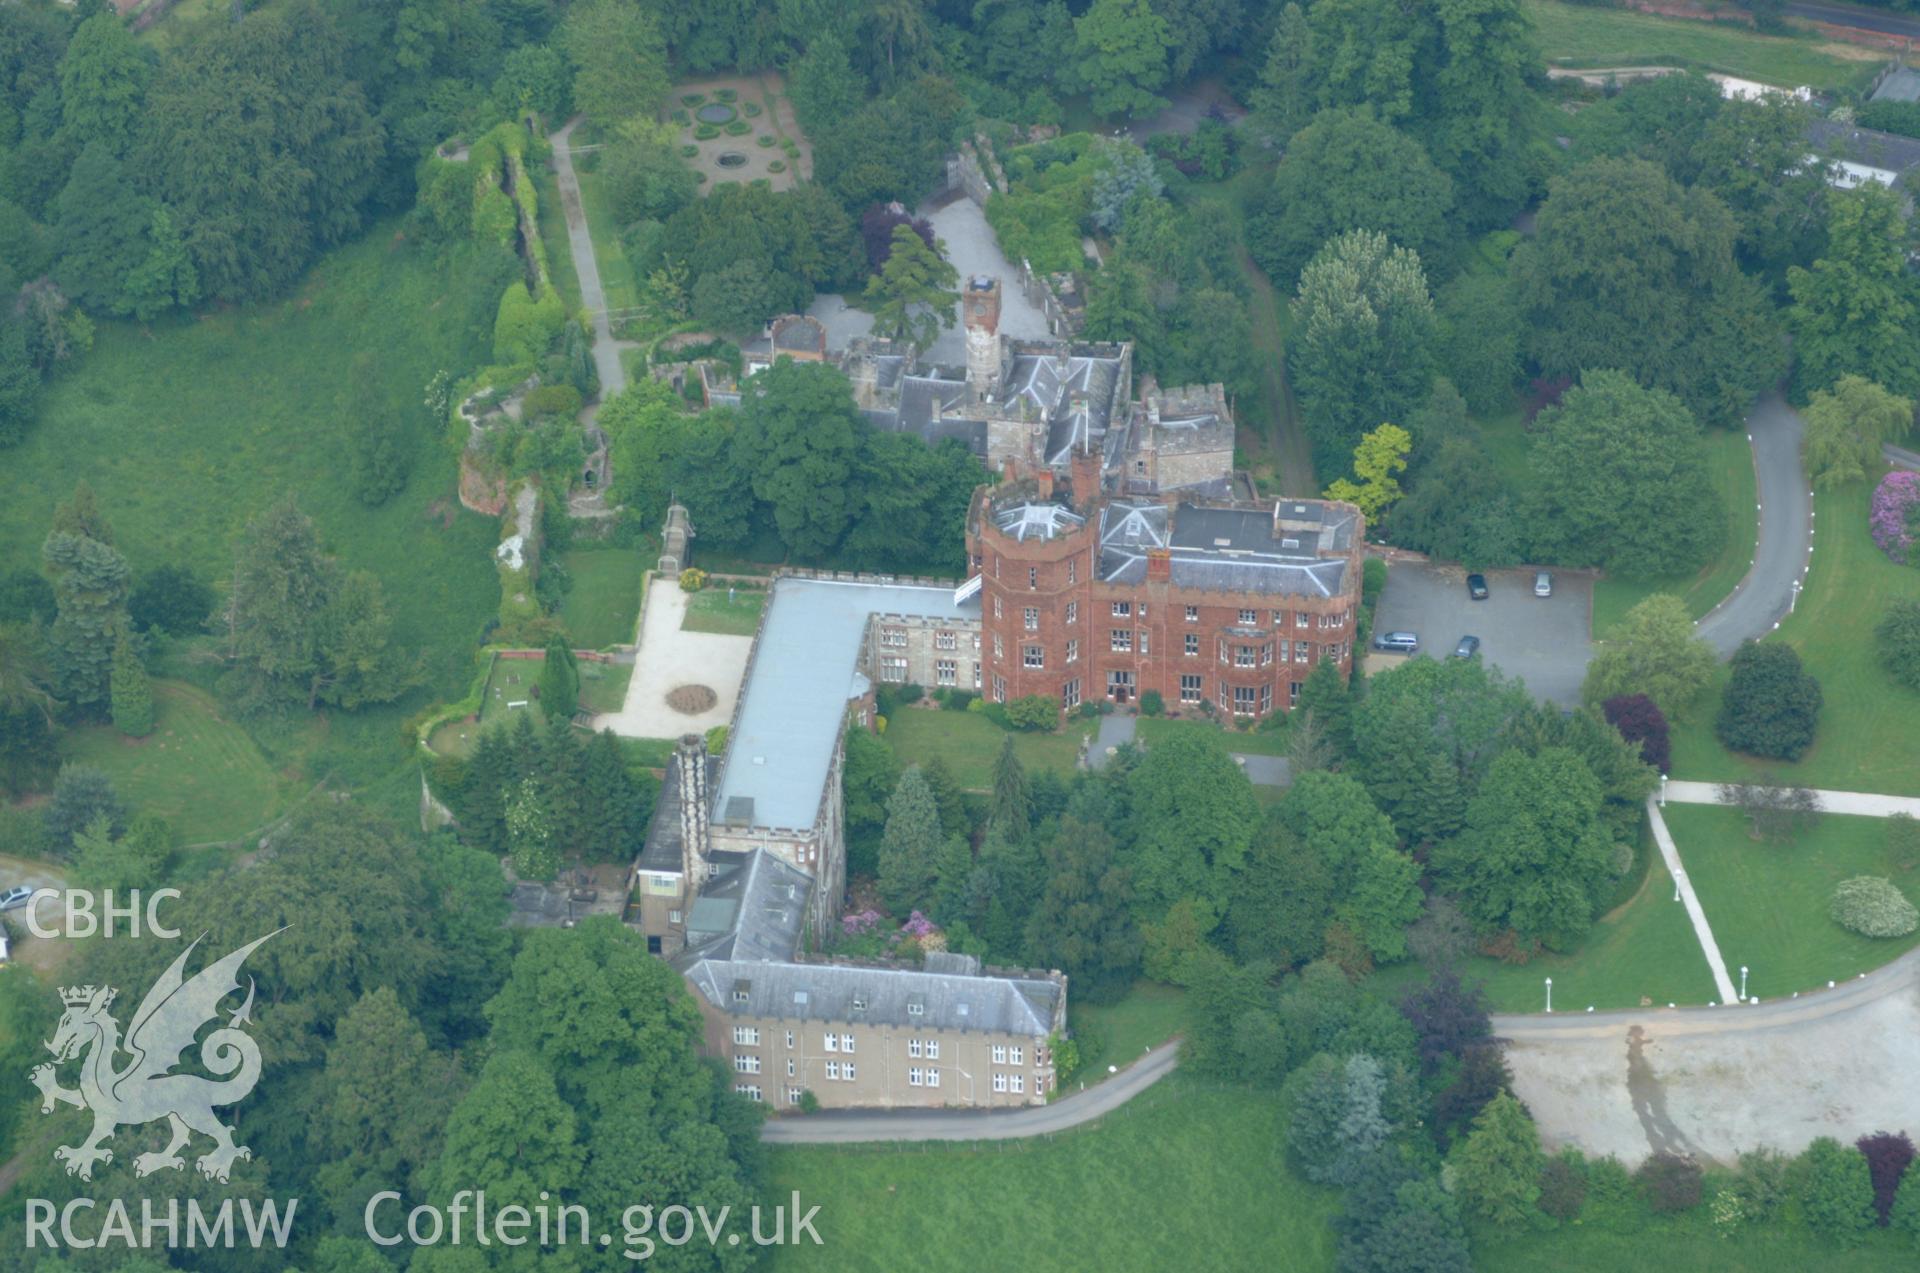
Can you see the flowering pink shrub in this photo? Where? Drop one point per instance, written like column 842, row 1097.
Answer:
column 1894, row 513
column 918, row 925
column 859, row 923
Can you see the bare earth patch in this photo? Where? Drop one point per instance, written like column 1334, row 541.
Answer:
column 691, row 700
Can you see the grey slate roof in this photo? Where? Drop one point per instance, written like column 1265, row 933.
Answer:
column 1866, row 146
column 752, row 908
column 794, row 702
column 990, row 1003
column 1229, row 549
column 1036, row 520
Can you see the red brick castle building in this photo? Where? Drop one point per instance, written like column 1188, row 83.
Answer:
column 1085, row 593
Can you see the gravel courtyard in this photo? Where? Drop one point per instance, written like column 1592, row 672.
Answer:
column 668, row 658
column 1715, row 1081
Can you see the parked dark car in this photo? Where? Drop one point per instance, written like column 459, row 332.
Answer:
column 1477, row 587
column 1468, row 647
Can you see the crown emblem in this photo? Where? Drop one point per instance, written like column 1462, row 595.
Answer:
column 80, row 996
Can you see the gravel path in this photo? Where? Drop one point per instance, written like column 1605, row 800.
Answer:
column 606, row 352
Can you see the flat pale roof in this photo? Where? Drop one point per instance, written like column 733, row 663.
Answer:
column 794, row 702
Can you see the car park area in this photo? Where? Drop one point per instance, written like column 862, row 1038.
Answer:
column 1544, row 641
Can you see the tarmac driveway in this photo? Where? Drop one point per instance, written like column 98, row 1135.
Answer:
column 1544, row 641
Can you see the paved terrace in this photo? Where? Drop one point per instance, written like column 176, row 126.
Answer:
column 794, row 703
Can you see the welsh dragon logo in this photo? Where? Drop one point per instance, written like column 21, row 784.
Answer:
column 143, row 1090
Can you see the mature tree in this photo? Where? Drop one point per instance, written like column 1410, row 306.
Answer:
column 28, row 750
column 1124, row 173
column 1642, row 723
column 261, row 146
column 103, row 84
column 1377, row 885
column 130, row 694
column 511, row 1135
column 26, row 597
column 1283, row 98
column 1453, row 711
column 891, row 148
column 1625, row 779
column 101, row 223
column 1326, row 696
column 559, row 682
column 1454, row 74
column 81, row 795
column 1776, row 812
column 1120, row 56
column 615, row 1025
column 1497, row 1167
column 910, row 845
column 281, row 585
column 1282, row 902
column 1846, row 426
column 1836, row 1190
column 619, row 60
column 383, row 1097
column 1339, row 1120
column 1448, row 1016
column 823, row 84
column 1194, row 816
column 1364, row 351
column 1897, row 637
column 1483, row 1075
column 170, row 599
column 1888, row 1156
column 914, row 294
column 1010, row 814
column 1771, row 706
column 1479, row 343
column 799, row 435
column 1854, row 309
column 1620, row 480
column 90, row 592
column 20, row 383
column 1630, row 270
column 1381, row 454
column 1414, row 1228
column 135, row 860
column 166, row 278
column 530, row 836
column 1022, row 42
column 1083, row 922
column 877, row 225
column 868, row 780
column 1653, row 652
column 1346, row 170
column 1535, row 858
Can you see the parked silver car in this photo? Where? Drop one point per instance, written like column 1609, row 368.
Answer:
column 1543, row 584
column 1397, row 642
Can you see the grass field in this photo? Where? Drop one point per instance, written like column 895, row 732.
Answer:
column 197, row 769
column 969, row 742
column 1184, row 1176
column 603, row 686
column 603, row 606
column 188, row 429
column 1767, row 904
column 709, row 610
column 1730, row 460
column 1868, row 738
column 1255, row 742
column 1685, row 1242
column 617, row 280
column 1580, row 35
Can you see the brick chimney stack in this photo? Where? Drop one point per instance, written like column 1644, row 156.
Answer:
column 1159, row 565
column 1086, row 480
column 980, row 312
column 1045, row 483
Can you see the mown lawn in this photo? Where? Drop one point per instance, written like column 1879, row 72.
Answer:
column 1581, row 35
column 603, row 606
column 1869, row 736
column 969, row 742
column 1767, row 904
column 1119, row 1033
column 197, row 769
column 1186, row 1175
column 1256, row 742
column 603, row 686
column 711, row 610
column 1642, row 948
column 1730, row 460
column 1685, row 1242
column 188, row 428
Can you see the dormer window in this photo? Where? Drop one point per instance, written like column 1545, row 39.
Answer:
column 742, row 990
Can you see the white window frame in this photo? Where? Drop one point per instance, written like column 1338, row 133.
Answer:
column 746, row 1036
column 1030, row 618
column 1121, row 640
column 999, row 1054
column 1033, row 656
column 1073, row 649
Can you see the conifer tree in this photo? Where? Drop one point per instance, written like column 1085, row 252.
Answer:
column 132, row 696
column 910, row 845
column 1325, row 695
column 559, row 682
column 90, row 595
column 1012, row 810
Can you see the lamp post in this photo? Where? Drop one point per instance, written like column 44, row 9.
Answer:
column 1794, row 600
column 1663, row 791
column 1743, row 983
column 1549, row 994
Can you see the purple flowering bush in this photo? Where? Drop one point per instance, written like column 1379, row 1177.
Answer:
column 1894, row 516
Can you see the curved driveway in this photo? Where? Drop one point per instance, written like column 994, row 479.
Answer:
column 840, row 1128
column 1786, row 532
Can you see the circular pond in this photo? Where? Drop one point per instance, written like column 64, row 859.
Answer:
column 714, row 113
column 730, row 159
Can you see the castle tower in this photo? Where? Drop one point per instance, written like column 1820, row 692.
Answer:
column 690, row 753
column 980, row 311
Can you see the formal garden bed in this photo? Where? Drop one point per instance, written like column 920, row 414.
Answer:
column 717, row 117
